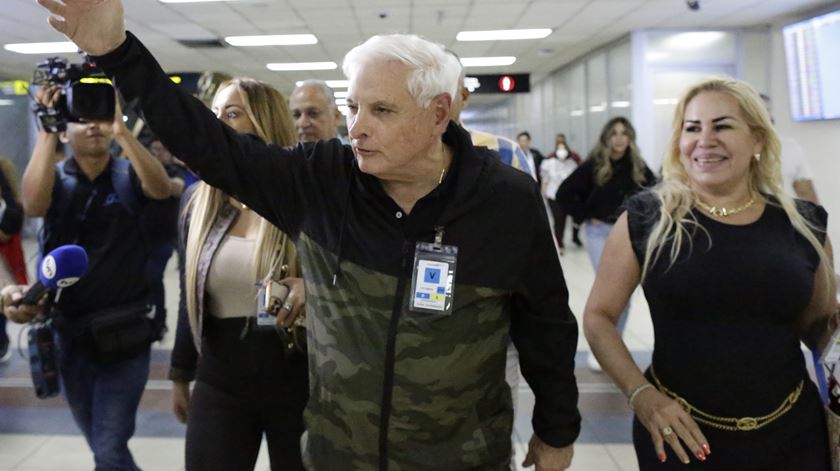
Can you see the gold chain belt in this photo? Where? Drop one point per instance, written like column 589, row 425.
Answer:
column 732, row 424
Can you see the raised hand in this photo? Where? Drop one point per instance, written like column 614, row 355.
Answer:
column 47, row 95
column 96, row 26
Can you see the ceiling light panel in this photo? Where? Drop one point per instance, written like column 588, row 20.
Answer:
column 487, row 61
column 503, row 34
column 289, row 66
column 42, row 48
column 272, row 40
column 195, row 1
column 330, row 83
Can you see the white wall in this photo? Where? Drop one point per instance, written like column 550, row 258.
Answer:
column 551, row 105
column 667, row 62
column 821, row 139
column 576, row 99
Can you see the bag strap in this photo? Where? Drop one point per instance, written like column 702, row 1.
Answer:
column 121, row 180
column 68, row 184
column 58, row 215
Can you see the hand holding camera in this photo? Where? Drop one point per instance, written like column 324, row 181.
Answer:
column 48, row 95
column 71, row 93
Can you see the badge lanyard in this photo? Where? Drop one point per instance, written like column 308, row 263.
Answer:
column 433, row 277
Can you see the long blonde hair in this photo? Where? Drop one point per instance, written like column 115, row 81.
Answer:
column 268, row 111
column 602, row 153
column 675, row 193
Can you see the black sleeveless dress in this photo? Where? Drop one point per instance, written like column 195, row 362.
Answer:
column 724, row 318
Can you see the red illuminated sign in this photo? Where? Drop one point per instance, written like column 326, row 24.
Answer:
column 506, row 83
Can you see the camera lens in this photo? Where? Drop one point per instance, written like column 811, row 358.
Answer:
column 91, row 101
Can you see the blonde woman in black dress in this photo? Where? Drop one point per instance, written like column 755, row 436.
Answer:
column 736, row 273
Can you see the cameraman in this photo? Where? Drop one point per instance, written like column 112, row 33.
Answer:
column 83, row 202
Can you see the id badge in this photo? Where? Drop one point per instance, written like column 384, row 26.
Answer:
column 433, row 278
column 264, row 319
column 270, row 296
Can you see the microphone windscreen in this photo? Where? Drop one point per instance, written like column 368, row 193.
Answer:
column 63, row 266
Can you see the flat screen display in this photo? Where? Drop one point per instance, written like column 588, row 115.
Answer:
column 812, row 54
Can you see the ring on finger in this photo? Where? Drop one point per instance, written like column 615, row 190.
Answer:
column 287, row 306
column 667, row 431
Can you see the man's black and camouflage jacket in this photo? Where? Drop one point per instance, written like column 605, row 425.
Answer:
column 393, row 389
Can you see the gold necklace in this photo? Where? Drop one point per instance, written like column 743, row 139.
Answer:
column 443, row 170
column 723, row 212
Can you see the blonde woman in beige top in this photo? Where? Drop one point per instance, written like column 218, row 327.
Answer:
column 250, row 380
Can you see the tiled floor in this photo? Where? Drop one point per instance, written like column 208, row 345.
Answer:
column 40, row 435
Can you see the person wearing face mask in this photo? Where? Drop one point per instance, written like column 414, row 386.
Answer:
column 595, row 192
column 250, row 375
column 555, row 168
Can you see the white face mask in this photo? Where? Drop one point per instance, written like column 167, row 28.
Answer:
column 561, row 152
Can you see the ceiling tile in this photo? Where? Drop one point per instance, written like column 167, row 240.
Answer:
column 579, row 26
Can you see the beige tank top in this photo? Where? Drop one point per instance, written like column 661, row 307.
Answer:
column 231, row 289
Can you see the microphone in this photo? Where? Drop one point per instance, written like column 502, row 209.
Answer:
column 61, row 268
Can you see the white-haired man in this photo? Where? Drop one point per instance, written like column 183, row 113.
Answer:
column 313, row 108
column 422, row 254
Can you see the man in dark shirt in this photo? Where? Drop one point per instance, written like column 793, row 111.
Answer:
column 83, row 203
column 524, row 140
column 406, row 355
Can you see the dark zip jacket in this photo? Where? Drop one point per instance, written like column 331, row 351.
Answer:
column 584, row 199
column 392, row 388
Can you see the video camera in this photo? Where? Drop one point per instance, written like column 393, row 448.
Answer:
column 80, row 99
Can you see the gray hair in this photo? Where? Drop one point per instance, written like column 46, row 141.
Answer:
column 322, row 86
column 433, row 71
column 462, row 75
